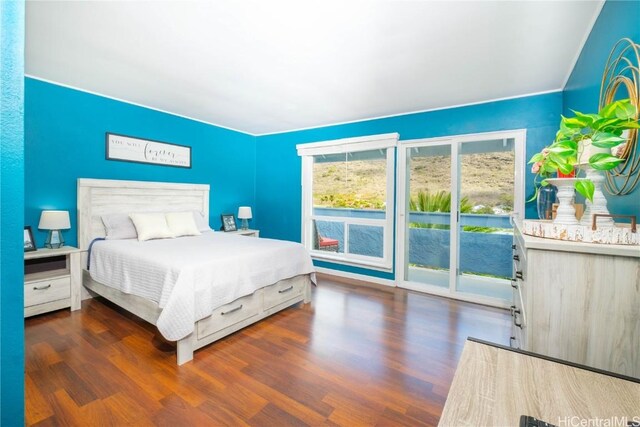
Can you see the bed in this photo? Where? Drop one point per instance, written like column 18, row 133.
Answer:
column 254, row 295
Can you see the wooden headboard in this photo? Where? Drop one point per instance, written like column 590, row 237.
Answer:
column 97, row 197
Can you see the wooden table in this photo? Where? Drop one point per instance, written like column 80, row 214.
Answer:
column 495, row 385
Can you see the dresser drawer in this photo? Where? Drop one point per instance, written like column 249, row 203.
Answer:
column 230, row 314
column 282, row 292
column 44, row 291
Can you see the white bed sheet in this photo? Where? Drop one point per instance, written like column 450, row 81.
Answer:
column 189, row 277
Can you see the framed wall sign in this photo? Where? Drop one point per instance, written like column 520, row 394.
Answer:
column 137, row 150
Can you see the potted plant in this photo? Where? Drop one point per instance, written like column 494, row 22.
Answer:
column 585, row 140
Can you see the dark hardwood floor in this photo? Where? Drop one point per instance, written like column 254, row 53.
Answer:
column 354, row 356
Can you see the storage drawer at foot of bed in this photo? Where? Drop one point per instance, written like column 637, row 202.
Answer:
column 282, row 291
column 230, row 314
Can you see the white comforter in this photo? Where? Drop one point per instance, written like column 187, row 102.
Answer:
column 189, row 277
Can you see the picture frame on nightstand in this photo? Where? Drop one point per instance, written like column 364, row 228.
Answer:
column 29, row 243
column 228, row 222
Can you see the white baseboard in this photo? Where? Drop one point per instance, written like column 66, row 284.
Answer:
column 355, row 276
column 475, row 299
column 427, row 290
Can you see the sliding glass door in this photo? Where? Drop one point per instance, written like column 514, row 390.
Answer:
column 456, row 196
column 486, row 195
column 428, row 242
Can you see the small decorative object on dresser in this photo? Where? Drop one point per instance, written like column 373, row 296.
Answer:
column 29, row 243
column 244, row 213
column 228, row 222
column 54, row 221
column 52, row 280
column 566, row 212
column 546, row 199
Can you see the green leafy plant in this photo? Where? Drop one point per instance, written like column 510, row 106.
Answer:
column 603, row 129
column 436, row 202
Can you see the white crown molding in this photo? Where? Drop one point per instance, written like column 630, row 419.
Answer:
column 413, row 112
column 31, row 76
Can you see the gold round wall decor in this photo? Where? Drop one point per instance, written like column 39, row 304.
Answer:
column 622, row 73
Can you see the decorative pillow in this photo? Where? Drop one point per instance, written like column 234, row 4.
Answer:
column 119, row 226
column 182, row 224
column 151, row 226
column 201, row 222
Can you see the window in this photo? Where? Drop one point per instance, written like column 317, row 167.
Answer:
column 347, row 198
column 455, row 199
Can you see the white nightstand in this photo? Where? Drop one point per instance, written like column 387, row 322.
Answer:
column 49, row 283
column 249, row 232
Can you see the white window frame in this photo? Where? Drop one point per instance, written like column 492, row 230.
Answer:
column 347, row 145
column 454, row 141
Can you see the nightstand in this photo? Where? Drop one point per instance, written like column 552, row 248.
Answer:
column 249, row 232
column 52, row 280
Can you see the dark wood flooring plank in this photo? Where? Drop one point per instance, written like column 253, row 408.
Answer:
column 355, row 356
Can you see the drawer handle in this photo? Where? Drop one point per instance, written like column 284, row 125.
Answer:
column 515, row 321
column 282, row 291
column 514, row 284
column 41, row 288
column 511, row 340
column 514, row 314
column 513, row 247
column 232, row 310
column 516, row 257
column 519, row 275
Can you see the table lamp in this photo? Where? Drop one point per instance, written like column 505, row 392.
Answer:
column 54, row 221
column 244, row 213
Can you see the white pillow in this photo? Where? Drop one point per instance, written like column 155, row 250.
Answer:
column 201, row 222
column 182, row 224
column 151, row 226
column 119, row 226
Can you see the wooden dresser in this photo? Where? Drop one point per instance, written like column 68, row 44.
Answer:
column 578, row 302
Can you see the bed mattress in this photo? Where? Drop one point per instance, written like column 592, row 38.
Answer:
column 189, row 277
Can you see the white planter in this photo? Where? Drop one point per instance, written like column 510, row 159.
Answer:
column 566, row 213
column 586, row 150
column 599, row 204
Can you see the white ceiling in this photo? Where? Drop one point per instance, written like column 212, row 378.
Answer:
column 270, row 66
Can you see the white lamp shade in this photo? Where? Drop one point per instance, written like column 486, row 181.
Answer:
column 54, row 220
column 244, row 212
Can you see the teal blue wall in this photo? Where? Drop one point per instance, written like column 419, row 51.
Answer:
column 617, row 20
column 278, row 193
column 65, row 140
column 11, row 226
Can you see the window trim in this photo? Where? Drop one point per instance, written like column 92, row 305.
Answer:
column 454, row 141
column 306, row 152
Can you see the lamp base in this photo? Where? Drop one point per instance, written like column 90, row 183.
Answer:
column 245, row 224
column 54, row 239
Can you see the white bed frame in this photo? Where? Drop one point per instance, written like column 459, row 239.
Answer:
column 97, row 197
